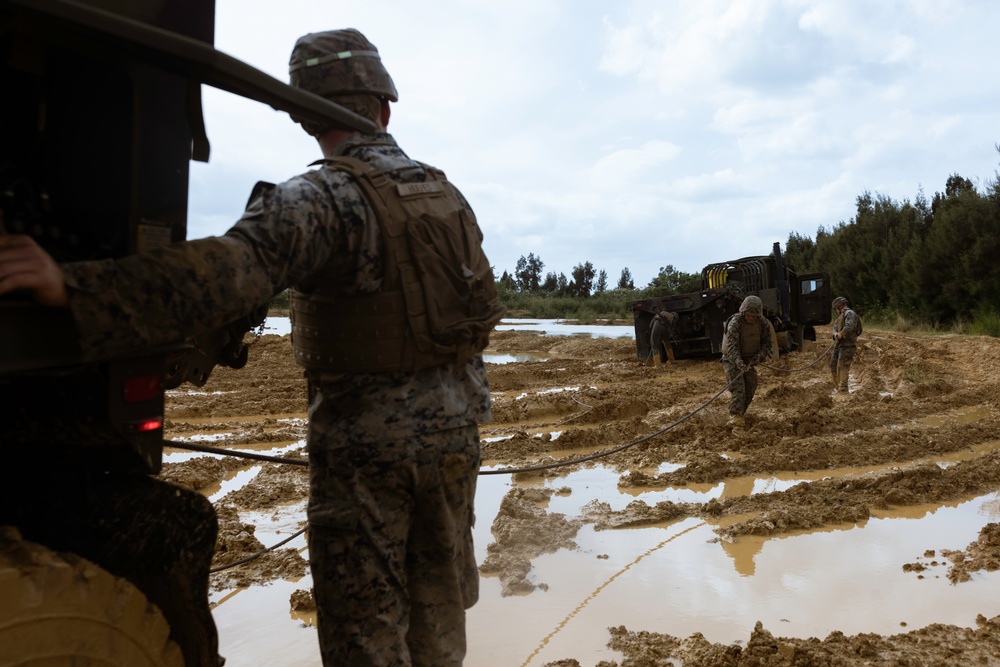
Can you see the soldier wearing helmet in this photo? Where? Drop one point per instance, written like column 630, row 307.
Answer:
column 660, row 333
column 395, row 396
column 846, row 329
column 747, row 342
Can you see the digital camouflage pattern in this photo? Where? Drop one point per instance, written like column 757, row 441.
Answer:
column 390, row 547
column 660, row 334
column 736, row 359
column 338, row 64
column 845, row 334
column 316, row 224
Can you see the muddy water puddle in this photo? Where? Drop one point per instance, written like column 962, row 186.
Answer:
column 676, row 577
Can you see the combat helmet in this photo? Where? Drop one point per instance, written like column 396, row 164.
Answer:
column 338, row 63
column 838, row 302
column 752, row 305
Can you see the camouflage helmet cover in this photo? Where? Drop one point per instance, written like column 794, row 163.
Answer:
column 339, row 62
column 752, row 305
column 838, row 302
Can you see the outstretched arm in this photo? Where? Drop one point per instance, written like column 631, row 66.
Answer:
column 25, row 266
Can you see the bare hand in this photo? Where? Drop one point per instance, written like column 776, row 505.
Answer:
column 25, row 266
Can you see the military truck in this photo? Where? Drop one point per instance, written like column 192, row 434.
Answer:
column 794, row 304
column 101, row 115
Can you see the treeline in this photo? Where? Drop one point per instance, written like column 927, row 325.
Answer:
column 900, row 263
column 585, row 294
column 935, row 263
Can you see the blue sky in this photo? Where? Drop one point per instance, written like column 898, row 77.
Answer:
column 638, row 133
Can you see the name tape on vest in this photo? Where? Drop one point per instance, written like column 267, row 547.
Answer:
column 409, row 189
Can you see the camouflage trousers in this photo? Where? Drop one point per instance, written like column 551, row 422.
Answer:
column 659, row 341
column 741, row 389
column 390, row 548
column 841, row 359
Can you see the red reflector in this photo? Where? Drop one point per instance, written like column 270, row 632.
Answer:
column 148, row 425
column 141, row 388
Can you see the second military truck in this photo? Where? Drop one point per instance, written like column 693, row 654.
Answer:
column 793, row 304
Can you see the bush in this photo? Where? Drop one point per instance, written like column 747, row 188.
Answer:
column 986, row 324
column 280, row 305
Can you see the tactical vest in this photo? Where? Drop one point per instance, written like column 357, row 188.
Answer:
column 750, row 340
column 438, row 300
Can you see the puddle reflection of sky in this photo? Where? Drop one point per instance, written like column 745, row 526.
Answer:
column 675, row 577
column 282, row 325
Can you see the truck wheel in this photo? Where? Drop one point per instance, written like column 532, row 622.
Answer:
column 800, row 331
column 62, row 609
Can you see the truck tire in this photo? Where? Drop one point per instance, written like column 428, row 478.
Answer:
column 60, row 609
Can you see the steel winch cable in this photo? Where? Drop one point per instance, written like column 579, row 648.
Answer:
column 177, row 444
column 302, row 462
column 807, row 366
column 257, row 555
column 503, row 471
column 511, row 471
column 591, row 457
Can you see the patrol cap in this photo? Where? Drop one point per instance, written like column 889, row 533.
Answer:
column 752, row 305
column 339, row 62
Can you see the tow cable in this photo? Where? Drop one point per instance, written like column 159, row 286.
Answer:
column 502, row 471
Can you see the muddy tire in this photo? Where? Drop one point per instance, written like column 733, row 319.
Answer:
column 59, row 609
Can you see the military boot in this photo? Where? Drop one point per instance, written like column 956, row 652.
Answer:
column 844, row 374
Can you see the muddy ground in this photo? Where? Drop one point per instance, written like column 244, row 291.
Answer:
column 596, row 395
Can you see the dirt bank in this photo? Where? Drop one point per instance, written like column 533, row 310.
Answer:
column 921, row 416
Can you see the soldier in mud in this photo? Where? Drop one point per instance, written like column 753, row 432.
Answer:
column 660, row 333
column 395, row 394
column 746, row 343
column 846, row 329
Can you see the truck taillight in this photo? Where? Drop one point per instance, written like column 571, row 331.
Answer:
column 148, row 425
column 141, row 388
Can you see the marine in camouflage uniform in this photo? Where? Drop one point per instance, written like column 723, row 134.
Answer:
column 660, row 333
column 747, row 343
column 845, row 335
column 393, row 455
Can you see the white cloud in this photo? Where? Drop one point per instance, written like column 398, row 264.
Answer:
column 639, row 133
column 632, row 166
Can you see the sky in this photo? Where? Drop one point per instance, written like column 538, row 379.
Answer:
column 638, row 133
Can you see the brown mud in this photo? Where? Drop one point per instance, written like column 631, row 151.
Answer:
column 920, row 423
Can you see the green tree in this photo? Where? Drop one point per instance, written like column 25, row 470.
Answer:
column 952, row 270
column 583, row 280
column 800, row 253
column 507, row 282
column 625, row 281
column 528, row 273
column 672, row 281
column 562, row 284
column 864, row 256
column 602, row 282
column 551, row 284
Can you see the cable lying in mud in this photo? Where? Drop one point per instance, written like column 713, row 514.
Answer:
column 258, row 554
column 600, row 588
column 176, row 444
column 511, row 471
column 807, row 366
column 504, row 471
